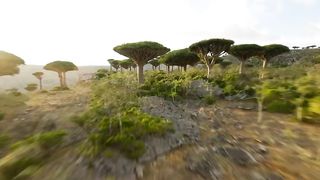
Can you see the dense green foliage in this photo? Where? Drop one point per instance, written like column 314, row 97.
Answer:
column 233, row 83
column 299, row 95
column 173, row 85
column 61, row 67
column 273, row 50
column 9, row 63
column 181, row 57
column 154, row 62
column 126, row 63
column 116, row 122
column 245, row 51
column 114, row 64
column 210, row 50
column 141, row 53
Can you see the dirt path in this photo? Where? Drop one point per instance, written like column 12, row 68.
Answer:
column 234, row 146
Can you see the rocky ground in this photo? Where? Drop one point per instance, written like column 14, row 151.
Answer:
column 220, row 141
column 233, row 145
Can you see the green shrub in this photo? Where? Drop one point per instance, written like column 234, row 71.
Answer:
column 50, row 139
column 47, row 140
column 209, row 100
column 173, row 85
column 233, row 83
column 126, row 132
column 114, row 120
column 280, row 106
column 1, row 116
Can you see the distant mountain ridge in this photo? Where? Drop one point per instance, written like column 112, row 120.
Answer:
column 50, row 79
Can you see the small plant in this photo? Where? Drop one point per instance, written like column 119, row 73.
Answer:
column 281, row 107
column 47, row 140
column 209, row 100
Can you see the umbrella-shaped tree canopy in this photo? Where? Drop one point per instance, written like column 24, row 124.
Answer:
column 181, row 57
column 61, row 67
column 141, row 53
column 9, row 63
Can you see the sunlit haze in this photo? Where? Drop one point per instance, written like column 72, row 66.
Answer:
column 85, row 31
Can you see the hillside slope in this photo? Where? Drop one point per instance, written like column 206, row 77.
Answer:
column 50, row 79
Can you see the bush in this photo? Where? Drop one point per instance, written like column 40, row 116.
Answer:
column 31, row 87
column 209, row 100
column 114, row 120
column 279, row 106
column 233, row 83
column 126, row 132
column 173, row 85
column 50, row 139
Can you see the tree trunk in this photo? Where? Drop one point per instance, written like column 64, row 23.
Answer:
column 260, row 108
column 178, row 68
column 60, row 78
column 140, row 73
column 264, row 65
column 110, row 68
column 299, row 113
column 171, row 68
column 241, row 67
column 121, row 69
column 168, row 69
column 40, row 83
column 153, row 68
column 185, row 68
column 159, row 68
column 64, row 79
column 208, row 70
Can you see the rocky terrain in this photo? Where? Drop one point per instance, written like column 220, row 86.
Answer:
column 220, row 141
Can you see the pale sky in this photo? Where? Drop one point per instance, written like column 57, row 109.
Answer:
column 85, row 31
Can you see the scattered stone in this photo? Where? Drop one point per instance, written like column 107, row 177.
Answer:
column 205, row 165
column 139, row 171
column 262, row 149
column 257, row 176
column 237, row 155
